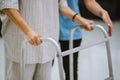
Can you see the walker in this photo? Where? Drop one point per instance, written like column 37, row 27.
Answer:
column 70, row 52
column 105, row 40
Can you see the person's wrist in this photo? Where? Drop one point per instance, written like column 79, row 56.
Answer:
column 74, row 16
column 78, row 19
column 102, row 13
column 28, row 31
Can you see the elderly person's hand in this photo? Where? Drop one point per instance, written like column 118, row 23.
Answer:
column 33, row 38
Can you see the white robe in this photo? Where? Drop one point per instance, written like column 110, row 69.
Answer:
column 43, row 17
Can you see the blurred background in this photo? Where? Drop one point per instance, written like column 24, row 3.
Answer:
column 92, row 61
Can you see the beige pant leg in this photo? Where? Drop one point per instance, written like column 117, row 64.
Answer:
column 12, row 71
column 32, row 71
column 43, row 71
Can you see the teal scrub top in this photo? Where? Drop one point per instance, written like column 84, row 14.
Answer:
column 67, row 24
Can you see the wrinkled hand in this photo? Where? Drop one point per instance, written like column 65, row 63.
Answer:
column 86, row 24
column 33, row 38
column 107, row 20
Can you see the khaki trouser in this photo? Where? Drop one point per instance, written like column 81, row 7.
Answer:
column 32, row 71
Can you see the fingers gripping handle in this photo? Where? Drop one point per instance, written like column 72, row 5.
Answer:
column 101, row 28
column 93, row 26
column 43, row 39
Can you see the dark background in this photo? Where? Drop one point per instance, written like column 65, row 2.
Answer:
column 112, row 6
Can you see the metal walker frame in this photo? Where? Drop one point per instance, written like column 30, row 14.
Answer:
column 105, row 40
column 70, row 52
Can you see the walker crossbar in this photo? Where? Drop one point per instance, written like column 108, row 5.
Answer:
column 71, row 51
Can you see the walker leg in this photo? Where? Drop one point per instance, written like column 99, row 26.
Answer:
column 71, row 67
column 61, row 70
column 109, row 78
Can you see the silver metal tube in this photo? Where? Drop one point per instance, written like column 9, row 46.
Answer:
column 22, row 62
column 109, row 59
column 68, row 52
column 71, row 69
column 106, row 41
column 60, row 61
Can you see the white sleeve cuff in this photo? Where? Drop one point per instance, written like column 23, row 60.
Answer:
column 63, row 3
column 9, row 4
